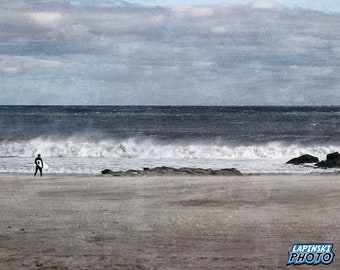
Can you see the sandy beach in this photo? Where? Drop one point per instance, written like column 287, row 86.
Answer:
column 237, row 222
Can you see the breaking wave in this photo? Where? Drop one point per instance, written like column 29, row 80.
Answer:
column 149, row 149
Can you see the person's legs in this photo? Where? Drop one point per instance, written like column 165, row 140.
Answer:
column 40, row 169
column 36, row 170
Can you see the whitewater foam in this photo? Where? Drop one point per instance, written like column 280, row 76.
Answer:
column 148, row 149
column 79, row 156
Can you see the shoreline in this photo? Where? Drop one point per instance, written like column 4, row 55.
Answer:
column 179, row 222
column 100, row 175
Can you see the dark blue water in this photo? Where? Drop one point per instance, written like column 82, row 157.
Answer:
column 233, row 125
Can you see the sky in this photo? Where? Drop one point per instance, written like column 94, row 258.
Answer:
column 152, row 52
column 329, row 6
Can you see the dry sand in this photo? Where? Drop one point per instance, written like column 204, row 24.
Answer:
column 245, row 222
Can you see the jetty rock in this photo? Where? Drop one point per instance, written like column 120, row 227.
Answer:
column 169, row 171
column 303, row 159
column 332, row 160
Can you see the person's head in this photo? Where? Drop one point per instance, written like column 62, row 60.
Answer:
column 39, row 155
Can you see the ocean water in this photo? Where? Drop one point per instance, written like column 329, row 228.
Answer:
column 84, row 140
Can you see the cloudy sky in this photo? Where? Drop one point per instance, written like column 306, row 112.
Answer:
column 153, row 52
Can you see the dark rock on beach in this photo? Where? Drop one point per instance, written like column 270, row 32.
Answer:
column 169, row 171
column 107, row 171
column 303, row 159
column 332, row 160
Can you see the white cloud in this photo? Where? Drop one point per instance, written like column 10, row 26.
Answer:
column 10, row 69
column 219, row 29
column 202, row 12
column 267, row 5
column 202, row 64
column 45, row 18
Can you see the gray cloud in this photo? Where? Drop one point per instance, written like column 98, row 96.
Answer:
column 112, row 52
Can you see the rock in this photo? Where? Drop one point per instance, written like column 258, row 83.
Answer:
column 333, row 156
column 110, row 172
column 193, row 171
column 130, row 173
column 231, row 171
column 162, row 170
column 107, row 171
column 169, row 171
column 303, row 159
column 332, row 160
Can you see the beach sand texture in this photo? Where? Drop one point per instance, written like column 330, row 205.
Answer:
column 238, row 222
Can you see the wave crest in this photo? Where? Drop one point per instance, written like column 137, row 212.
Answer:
column 149, row 149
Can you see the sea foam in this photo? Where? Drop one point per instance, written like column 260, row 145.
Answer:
column 79, row 155
column 149, row 149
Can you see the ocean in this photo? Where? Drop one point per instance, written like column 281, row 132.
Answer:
column 84, row 140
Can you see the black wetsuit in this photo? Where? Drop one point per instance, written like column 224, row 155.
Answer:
column 38, row 168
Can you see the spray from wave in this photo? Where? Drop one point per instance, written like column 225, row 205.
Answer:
column 148, row 149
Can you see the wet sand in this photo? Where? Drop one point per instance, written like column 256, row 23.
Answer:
column 237, row 222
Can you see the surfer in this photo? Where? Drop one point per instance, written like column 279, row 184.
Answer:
column 38, row 165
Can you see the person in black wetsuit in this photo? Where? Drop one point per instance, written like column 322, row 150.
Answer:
column 39, row 165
